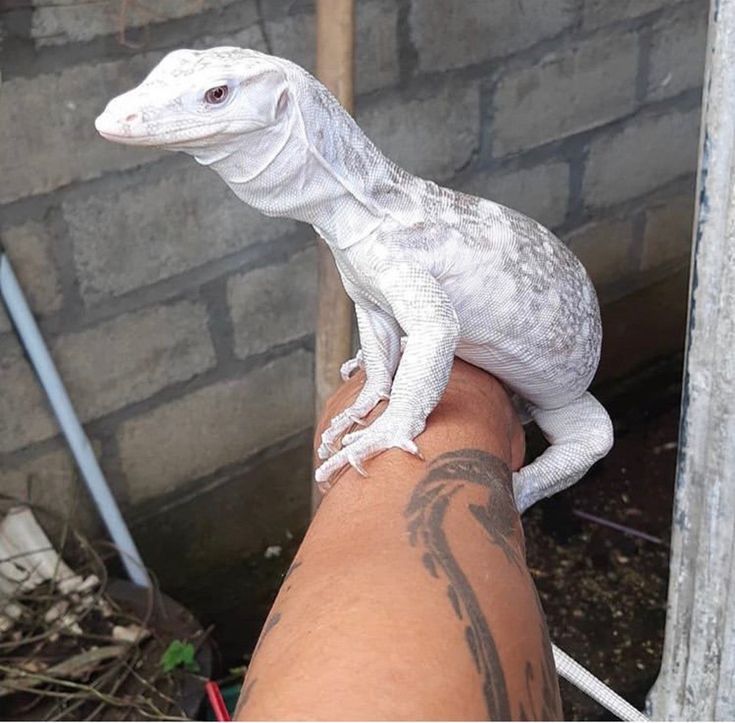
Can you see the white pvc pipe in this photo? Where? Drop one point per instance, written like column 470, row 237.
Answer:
column 77, row 440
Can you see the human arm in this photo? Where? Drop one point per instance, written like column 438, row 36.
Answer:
column 409, row 597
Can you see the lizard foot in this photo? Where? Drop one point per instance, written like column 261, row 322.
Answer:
column 354, row 414
column 361, row 445
column 351, row 366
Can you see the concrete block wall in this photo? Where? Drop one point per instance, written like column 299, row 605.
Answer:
column 183, row 321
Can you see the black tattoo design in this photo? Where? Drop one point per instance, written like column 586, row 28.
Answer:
column 271, row 623
column 550, row 696
column 294, row 566
column 428, row 561
column 426, row 511
column 273, row 619
column 245, row 693
column 550, row 705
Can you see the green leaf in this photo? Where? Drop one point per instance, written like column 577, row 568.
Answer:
column 179, row 655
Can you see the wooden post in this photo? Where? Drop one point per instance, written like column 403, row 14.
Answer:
column 334, row 67
column 697, row 678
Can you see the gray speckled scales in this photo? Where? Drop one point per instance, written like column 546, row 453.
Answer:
column 454, row 273
column 465, row 276
column 457, row 274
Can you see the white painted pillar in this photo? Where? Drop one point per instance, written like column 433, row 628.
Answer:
column 697, row 678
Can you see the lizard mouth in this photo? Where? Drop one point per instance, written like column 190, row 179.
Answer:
column 124, row 132
column 120, row 132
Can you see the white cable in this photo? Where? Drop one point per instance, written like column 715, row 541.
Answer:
column 579, row 676
column 78, row 442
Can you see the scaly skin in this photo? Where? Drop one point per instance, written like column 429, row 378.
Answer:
column 455, row 273
column 458, row 275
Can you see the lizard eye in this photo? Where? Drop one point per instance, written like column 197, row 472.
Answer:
column 216, row 95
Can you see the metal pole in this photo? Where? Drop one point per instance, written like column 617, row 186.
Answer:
column 697, row 678
column 77, row 440
column 335, row 68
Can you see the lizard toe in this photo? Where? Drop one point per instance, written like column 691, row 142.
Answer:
column 351, row 366
column 360, row 447
column 325, row 451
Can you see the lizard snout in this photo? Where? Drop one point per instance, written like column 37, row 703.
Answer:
column 124, row 120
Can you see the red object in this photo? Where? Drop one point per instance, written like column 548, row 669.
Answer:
column 216, row 701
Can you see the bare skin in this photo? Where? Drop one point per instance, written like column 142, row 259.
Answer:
column 409, row 598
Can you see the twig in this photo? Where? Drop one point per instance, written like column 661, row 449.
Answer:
column 620, row 528
column 76, row 665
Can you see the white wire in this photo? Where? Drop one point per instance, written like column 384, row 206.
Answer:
column 30, row 335
column 579, row 676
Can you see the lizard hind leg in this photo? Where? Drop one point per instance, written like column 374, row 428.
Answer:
column 580, row 433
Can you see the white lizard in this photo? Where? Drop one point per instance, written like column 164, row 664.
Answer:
column 457, row 274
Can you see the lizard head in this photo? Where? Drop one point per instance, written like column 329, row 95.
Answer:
column 196, row 99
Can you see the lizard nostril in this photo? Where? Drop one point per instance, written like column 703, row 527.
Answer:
column 130, row 118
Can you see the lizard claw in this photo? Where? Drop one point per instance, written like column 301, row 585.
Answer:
column 412, row 448
column 358, row 466
column 362, row 445
column 324, row 484
column 353, row 415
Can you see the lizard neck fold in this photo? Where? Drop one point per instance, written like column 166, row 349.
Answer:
column 315, row 165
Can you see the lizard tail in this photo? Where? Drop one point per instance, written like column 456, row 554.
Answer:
column 579, row 676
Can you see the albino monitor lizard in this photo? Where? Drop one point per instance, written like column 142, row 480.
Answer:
column 457, row 274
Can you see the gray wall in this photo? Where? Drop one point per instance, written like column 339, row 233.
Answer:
column 183, row 321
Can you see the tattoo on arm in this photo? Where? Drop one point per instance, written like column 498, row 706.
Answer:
column 425, row 514
column 245, row 693
column 291, row 570
column 273, row 619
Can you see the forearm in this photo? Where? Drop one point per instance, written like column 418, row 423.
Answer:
column 409, row 597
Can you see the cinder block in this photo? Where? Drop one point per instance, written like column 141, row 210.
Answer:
column 597, row 13
column 376, row 45
column 250, row 37
column 128, row 237
column 216, row 426
column 273, row 305
column 431, row 136
column 678, row 52
column 134, row 356
column 452, row 35
column 541, row 192
column 646, row 325
column 52, row 482
column 47, row 133
column 647, row 153
column 294, row 37
column 64, row 22
column 376, row 42
column 246, row 511
column 104, row 368
column 569, row 91
column 28, row 247
column 24, row 414
column 668, row 234
column 605, row 250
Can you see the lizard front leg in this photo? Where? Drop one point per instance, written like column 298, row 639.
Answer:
column 426, row 314
column 357, row 362
column 381, row 349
